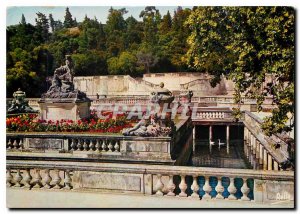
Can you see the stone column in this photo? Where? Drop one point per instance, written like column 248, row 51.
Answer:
column 210, row 133
column 245, row 133
column 257, row 149
column 270, row 162
column 253, row 146
column 227, row 138
column 250, row 148
column 261, row 154
column 275, row 165
column 265, row 166
column 194, row 138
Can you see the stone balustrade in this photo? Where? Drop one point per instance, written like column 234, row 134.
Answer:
column 93, row 146
column 160, row 180
column 205, row 114
column 265, row 152
column 41, row 142
column 144, row 99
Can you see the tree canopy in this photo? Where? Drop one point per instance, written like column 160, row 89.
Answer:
column 254, row 47
column 119, row 46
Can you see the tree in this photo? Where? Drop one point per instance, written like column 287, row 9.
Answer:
column 52, row 22
column 90, row 63
column 133, row 34
column 151, row 19
column 147, row 60
column 247, row 45
column 115, row 28
column 166, row 24
column 23, row 20
column 42, row 27
column 68, row 22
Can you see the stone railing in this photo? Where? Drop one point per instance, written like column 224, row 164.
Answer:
column 93, row 146
column 221, row 99
column 88, row 146
column 212, row 114
column 199, row 183
column 144, row 82
column 270, row 152
column 129, row 99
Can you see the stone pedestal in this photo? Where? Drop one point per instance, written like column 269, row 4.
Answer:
column 51, row 109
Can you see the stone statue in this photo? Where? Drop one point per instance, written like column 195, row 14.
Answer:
column 154, row 125
column 19, row 104
column 148, row 127
column 185, row 96
column 62, row 83
column 185, row 99
column 161, row 95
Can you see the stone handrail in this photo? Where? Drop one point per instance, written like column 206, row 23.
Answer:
column 151, row 179
column 194, row 82
column 273, row 152
column 152, row 85
column 131, row 99
column 212, row 114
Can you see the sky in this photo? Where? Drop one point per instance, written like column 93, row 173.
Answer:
column 14, row 14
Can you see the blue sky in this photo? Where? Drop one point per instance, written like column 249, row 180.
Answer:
column 14, row 13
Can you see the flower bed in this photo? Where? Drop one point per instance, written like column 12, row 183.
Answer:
column 30, row 123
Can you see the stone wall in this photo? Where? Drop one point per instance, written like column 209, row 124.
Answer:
column 125, row 85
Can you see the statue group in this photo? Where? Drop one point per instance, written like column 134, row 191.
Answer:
column 153, row 125
column 62, row 83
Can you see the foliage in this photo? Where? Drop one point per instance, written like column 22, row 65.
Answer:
column 119, row 46
column 253, row 46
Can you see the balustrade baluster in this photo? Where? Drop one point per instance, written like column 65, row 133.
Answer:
column 18, row 178
column 104, row 146
column 85, row 145
column 232, row 190
column 195, row 187
column 245, row 190
column 47, row 179
column 171, row 186
column 79, row 145
column 37, row 179
column 9, row 178
column 67, row 180
column 110, row 146
column 219, row 189
column 57, row 180
column 27, row 179
column 92, row 145
column 182, row 186
column 117, row 147
column 21, row 145
column 207, row 188
column 159, row 185
column 9, row 144
column 97, row 146
column 15, row 144
column 73, row 145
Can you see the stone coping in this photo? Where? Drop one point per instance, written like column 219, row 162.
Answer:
column 63, row 100
column 154, row 169
column 281, row 136
column 78, row 135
